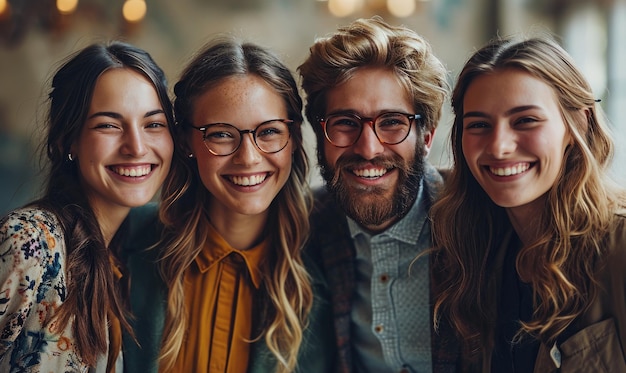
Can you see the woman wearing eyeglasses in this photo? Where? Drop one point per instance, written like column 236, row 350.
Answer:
column 235, row 215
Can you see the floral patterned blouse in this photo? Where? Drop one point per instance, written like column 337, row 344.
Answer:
column 32, row 287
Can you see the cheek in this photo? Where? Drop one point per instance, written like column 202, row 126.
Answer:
column 93, row 155
column 166, row 147
column 208, row 169
column 408, row 148
column 332, row 153
column 284, row 163
column 466, row 149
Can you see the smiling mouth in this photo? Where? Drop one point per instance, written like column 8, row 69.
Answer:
column 132, row 171
column 247, row 180
column 370, row 173
column 510, row 171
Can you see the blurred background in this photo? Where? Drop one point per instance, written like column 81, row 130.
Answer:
column 36, row 35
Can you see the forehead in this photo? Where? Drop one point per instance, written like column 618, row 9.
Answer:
column 369, row 91
column 123, row 88
column 506, row 88
column 242, row 100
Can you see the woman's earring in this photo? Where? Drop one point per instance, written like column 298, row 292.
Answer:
column 69, row 157
column 190, row 155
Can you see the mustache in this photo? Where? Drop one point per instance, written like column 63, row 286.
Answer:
column 351, row 161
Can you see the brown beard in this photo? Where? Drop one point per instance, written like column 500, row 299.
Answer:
column 369, row 206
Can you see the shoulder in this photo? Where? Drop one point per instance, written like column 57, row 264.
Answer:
column 616, row 243
column 433, row 180
column 617, row 231
column 28, row 220
column 326, row 210
column 323, row 201
column 32, row 277
column 30, row 233
column 328, row 221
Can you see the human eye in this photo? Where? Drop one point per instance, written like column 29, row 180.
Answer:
column 344, row 123
column 156, row 125
column 526, row 121
column 219, row 134
column 106, row 126
column 392, row 121
column 476, row 126
column 272, row 129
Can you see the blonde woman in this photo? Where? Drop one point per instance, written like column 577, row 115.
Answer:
column 235, row 213
column 531, row 232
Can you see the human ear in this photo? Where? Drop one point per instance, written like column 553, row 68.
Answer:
column 428, row 139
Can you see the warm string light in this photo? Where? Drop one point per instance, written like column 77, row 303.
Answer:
column 67, row 6
column 343, row 8
column 401, row 8
column 5, row 13
column 397, row 8
column 134, row 10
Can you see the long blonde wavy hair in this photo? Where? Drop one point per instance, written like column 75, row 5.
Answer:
column 287, row 293
column 578, row 211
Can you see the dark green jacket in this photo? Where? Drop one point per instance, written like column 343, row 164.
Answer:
column 148, row 297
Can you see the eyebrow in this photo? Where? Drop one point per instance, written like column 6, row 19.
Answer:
column 115, row 115
column 512, row 111
column 354, row 112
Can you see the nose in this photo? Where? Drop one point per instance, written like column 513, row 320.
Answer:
column 134, row 142
column 502, row 141
column 368, row 146
column 248, row 153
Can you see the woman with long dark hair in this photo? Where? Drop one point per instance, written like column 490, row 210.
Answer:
column 109, row 148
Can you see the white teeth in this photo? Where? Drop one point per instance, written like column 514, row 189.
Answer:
column 248, row 180
column 370, row 172
column 132, row 172
column 509, row 171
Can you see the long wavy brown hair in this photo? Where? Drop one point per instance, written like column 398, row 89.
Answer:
column 579, row 208
column 93, row 292
column 287, row 295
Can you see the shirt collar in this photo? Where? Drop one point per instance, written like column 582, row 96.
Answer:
column 216, row 249
column 117, row 270
column 406, row 229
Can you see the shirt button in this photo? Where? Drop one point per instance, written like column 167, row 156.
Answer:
column 378, row 328
column 384, row 278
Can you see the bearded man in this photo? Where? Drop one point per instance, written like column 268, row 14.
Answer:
column 374, row 98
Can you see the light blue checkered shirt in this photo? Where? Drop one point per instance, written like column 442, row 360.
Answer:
column 391, row 312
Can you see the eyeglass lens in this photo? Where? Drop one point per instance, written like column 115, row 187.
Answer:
column 345, row 129
column 224, row 139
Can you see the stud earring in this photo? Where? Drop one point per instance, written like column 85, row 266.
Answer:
column 70, row 157
column 190, row 155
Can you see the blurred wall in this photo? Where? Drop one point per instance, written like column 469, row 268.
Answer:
column 35, row 39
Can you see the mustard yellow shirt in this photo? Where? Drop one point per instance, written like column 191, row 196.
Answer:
column 219, row 290
column 115, row 327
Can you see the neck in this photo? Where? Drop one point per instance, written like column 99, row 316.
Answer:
column 526, row 220
column 242, row 232
column 110, row 221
